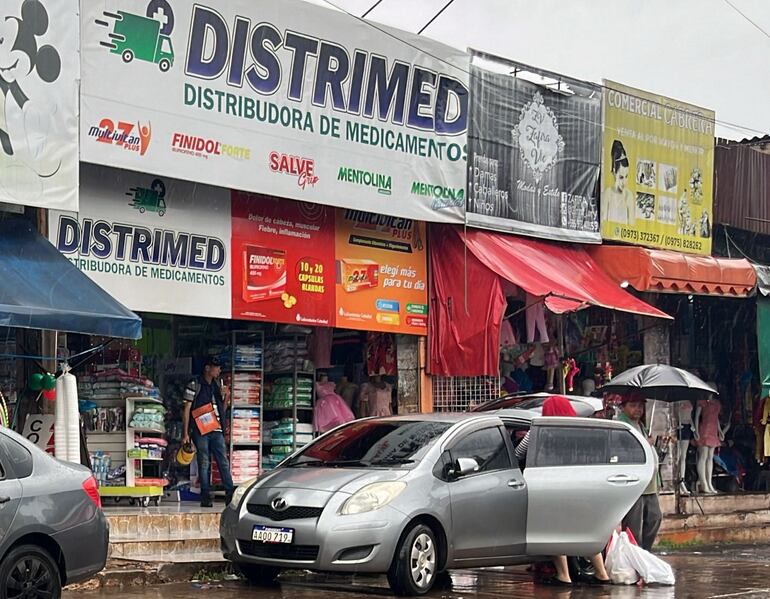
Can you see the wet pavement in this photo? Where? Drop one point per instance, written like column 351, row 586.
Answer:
column 735, row 572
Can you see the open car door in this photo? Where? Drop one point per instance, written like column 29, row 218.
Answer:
column 582, row 475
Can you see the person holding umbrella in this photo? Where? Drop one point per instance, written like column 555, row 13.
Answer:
column 644, row 517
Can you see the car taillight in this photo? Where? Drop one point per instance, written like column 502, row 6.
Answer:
column 91, row 487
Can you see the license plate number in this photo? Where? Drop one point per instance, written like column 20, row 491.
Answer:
column 266, row 534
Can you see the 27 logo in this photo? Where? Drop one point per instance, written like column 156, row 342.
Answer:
column 123, row 135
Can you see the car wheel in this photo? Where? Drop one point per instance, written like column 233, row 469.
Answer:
column 164, row 65
column 415, row 564
column 28, row 571
column 128, row 56
column 263, row 576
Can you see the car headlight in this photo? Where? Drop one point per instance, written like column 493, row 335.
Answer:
column 240, row 492
column 372, row 497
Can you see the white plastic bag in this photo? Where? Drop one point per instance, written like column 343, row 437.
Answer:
column 618, row 562
column 650, row 568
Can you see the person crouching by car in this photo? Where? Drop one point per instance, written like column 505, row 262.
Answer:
column 206, row 402
column 558, row 405
column 644, row 518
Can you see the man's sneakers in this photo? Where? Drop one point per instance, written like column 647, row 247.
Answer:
column 206, row 502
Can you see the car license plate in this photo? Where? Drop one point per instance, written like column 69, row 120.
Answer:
column 266, row 534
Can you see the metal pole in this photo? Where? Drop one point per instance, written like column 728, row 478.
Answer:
column 562, row 381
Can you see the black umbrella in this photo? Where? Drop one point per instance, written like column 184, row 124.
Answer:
column 660, row 382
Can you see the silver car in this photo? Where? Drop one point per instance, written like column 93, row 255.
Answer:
column 412, row 496
column 52, row 529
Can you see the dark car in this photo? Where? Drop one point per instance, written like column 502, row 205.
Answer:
column 52, row 526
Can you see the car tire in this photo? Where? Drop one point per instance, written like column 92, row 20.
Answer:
column 30, row 565
column 127, row 56
column 415, row 565
column 260, row 576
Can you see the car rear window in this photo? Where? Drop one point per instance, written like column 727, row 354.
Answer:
column 625, row 448
column 570, row 446
column 19, row 459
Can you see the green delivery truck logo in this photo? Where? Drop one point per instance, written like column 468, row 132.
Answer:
column 142, row 37
column 152, row 199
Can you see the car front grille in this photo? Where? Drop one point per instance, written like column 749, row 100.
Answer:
column 300, row 553
column 290, row 513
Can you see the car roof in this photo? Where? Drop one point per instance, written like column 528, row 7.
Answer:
column 455, row 417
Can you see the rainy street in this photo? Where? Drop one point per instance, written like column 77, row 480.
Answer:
column 711, row 574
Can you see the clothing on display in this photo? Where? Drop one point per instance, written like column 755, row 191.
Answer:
column 330, row 409
column 381, row 354
column 708, row 425
column 535, row 312
column 507, row 336
column 348, row 391
column 319, row 345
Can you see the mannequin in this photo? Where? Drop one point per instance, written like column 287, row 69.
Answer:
column 684, row 434
column 551, row 364
column 709, row 434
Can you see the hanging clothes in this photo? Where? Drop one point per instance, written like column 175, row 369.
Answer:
column 382, row 400
column 535, row 311
column 319, row 346
column 507, row 337
column 381, row 354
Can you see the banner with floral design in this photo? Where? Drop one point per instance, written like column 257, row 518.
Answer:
column 534, row 151
column 657, row 180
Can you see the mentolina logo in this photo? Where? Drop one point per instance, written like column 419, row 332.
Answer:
column 297, row 166
column 382, row 183
column 443, row 197
column 123, row 135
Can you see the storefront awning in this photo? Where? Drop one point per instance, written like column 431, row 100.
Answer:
column 41, row 289
column 671, row 272
column 565, row 276
column 467, row 301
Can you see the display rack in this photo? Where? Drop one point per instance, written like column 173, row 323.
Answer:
column 288, row 410
column 246, row 381
column 141, row 463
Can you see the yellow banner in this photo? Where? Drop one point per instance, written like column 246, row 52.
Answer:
column 657, row 171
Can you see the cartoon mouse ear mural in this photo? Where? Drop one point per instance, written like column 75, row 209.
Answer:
column 38, row 105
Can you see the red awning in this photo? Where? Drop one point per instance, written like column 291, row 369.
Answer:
column 566, row 276
column 467, row 300
column 671, row 272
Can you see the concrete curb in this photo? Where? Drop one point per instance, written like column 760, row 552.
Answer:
column 120, row 574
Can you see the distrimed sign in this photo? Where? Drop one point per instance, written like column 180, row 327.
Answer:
column 284, row 98
column 156, row 244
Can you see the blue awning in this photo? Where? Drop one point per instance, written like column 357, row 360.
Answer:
column 41, row 289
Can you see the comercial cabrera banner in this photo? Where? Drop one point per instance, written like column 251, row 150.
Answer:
column 534, row 149
column 658, row 175
column 284, row 98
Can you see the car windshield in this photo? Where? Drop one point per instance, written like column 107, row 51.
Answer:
column 372, row 443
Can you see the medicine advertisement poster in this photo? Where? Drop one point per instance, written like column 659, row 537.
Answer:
column 302, row 263
column 534, row 151
column 381, row 273
column 39, row 79
column 285, row 98
column 154, row 243
column 658, row 169
column 283, row 260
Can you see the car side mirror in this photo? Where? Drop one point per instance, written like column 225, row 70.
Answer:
column 465, row 466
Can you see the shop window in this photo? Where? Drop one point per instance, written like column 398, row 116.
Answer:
column 487, row 447
column 625, row 449
column 570, row 446
column 19, row 459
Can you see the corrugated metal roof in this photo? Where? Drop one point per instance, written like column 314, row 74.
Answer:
column 742, row 187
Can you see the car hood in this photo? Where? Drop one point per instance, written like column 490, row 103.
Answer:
column 314, row 487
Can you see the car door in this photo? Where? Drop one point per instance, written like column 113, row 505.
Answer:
column 582, row 477
column 489, row 506
column 10, row 490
